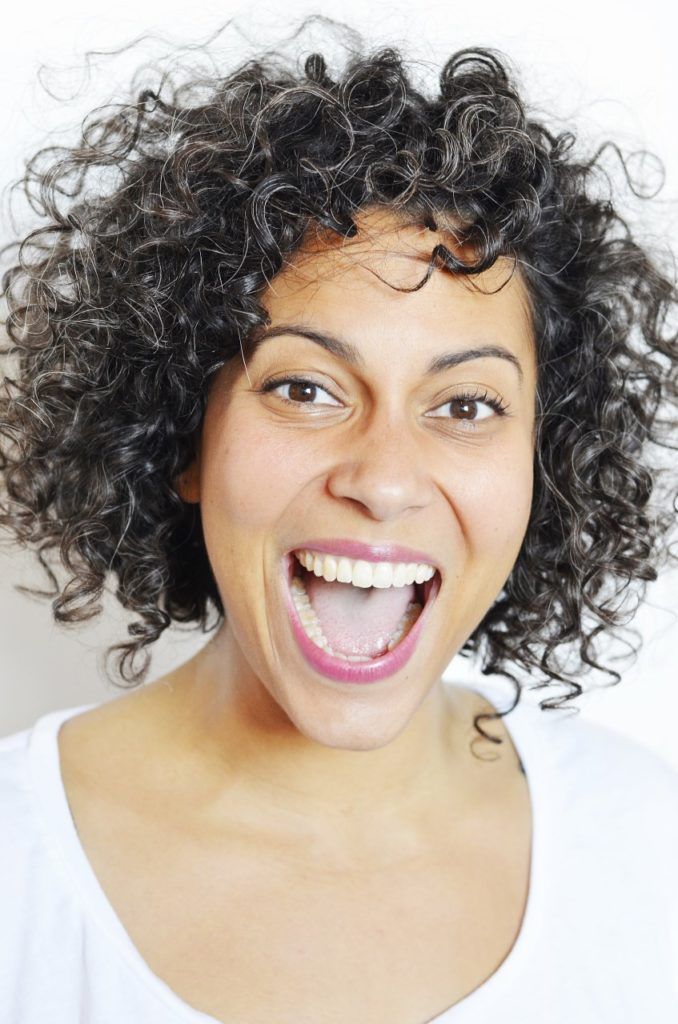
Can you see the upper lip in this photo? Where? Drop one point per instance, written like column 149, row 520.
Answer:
column 382, row 552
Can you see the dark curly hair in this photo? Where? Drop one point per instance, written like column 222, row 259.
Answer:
column 135, row 289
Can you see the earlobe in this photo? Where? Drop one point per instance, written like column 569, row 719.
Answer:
column 187, row 484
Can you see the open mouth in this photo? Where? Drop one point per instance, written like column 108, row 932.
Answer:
column 359, row 622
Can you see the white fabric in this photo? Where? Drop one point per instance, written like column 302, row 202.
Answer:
column 598, row 943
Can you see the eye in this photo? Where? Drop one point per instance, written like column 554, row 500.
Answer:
column 467, row 407
column 300, row 391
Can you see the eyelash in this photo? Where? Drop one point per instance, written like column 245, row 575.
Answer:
column 272, row 384
column 497, row 404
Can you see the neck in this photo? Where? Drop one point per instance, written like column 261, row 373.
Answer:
column 250, row 763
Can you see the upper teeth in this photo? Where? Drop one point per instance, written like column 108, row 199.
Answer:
column 365, row 574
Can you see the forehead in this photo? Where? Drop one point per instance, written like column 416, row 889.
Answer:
column 350, row 286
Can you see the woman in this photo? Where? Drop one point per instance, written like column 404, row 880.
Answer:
column 372, row 375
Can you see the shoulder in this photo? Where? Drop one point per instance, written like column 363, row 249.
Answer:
column 619, row 764
column 17, row 798
column 613, row 798
column 29, row 785
column 591, row 772
column 25, row 855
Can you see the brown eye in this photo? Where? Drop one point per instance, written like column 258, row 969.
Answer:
column 464, row 409
column 469, row 408
column 301, row 391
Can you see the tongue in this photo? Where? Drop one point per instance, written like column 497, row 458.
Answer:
column 357, row 620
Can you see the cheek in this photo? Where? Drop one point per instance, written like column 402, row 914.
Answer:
column 249, row 476
column 494, row 506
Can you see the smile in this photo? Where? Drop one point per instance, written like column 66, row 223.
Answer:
column 357, row 620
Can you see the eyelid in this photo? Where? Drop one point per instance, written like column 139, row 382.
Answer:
column 291, row 378
column 475, row 393
column 469, row 393
column 471, row 422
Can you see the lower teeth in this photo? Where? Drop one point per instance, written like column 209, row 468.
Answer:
column 313, row 630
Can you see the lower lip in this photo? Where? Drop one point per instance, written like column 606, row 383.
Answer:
column 362, row 671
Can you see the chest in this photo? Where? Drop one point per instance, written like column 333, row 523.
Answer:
column 244, row 934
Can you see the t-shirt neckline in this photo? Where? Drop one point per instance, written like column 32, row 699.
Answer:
column 64, row 842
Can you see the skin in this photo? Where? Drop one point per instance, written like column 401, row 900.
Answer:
column 246, row 816
column 367, row 772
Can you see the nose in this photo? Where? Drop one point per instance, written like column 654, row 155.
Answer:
column 383, row 470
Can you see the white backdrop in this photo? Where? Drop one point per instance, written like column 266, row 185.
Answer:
column 606, row 70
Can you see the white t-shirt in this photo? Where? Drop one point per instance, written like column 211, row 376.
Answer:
column 598, row 942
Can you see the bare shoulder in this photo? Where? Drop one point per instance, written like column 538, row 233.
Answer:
column 110, row 748
column 473, row 706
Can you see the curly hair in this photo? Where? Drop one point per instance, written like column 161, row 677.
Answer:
column 129, row 296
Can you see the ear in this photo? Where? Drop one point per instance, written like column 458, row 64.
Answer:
column 187, row 484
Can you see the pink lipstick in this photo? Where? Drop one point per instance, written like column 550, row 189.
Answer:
column 359, row 672
column 385, row 552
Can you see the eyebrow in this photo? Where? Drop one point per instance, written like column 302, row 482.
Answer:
column 351, row 355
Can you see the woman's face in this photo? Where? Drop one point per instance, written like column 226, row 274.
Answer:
column 377, row 448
